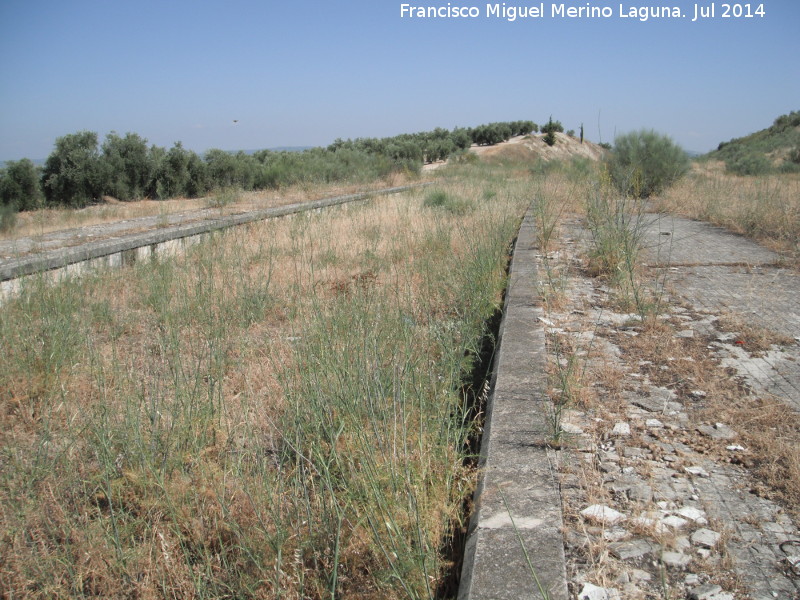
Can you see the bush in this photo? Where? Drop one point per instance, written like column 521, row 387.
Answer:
column 8, row 218
column 439, row 199
column 644, row 163
column 19, row 185
column 748, row 163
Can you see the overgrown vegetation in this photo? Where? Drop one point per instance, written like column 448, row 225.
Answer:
column 78, row 172
column 275, row 414
column 771, row 150
column 765, row 208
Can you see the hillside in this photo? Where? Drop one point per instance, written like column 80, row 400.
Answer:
column 774, row 149
column 533, row 146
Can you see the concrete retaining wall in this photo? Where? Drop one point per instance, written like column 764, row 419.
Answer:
column 515, row 547
column 125, row 250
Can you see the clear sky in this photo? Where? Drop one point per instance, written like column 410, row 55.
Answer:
column 304, row 72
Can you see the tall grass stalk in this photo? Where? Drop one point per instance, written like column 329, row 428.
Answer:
column 275, row 414
column 617, row 225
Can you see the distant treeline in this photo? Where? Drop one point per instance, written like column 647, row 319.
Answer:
column 80, row 171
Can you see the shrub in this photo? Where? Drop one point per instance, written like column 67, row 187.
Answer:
column 791, row 164
column 644, row 163
column 439, row 199
column 8, row 218
column 19, row 185
column 748, row 162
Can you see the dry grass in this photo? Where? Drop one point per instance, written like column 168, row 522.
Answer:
column 768, row 428
column 48, row 220
column 764, row 208
column 275, row 414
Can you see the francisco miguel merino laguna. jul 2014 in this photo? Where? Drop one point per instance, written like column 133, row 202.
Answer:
column 561, row 10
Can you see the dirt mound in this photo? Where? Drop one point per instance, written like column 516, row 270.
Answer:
column 533, row 146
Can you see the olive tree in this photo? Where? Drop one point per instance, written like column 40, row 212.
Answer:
column 71, row 174
column 125, row 166
column 19, row 185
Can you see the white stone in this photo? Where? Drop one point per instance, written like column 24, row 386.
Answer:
column 698, row 471
column 676, row 560
column 674, row 521
column 735, row 448
column 709, row 592
column 654, row 423
column 602, row 514
column 621, row 429
column 648, row 523
column 692, row 579
column 595, row 592
column 693, row 514
column 705, row 537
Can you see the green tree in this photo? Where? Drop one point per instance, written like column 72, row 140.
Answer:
column 644, row 163
column 221, row 167
column 125, row 166
column 550, row 129
column 19, row 185
column 552, row 126
column 71, row 174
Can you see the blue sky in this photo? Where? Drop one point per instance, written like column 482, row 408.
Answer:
column 304, row 72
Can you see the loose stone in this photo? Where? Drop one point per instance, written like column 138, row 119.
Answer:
column 693, row 514
column 705, row 537
column 698, row 471
column 621, row 429
column 675, row 560
column 674, row 522
column 719, row 431
column 594, row 592
column 602, row 514
column 709, row 592
column 632, row 549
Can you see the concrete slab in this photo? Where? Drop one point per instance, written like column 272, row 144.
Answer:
column 515, row 547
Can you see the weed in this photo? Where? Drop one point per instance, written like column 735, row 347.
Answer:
column 223, row 197
column 8, row 218
column 225, row 423
column 448, row 202
column 617, row 225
